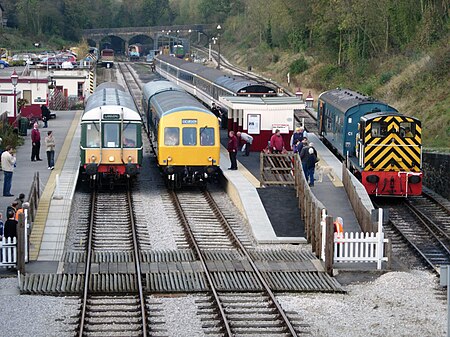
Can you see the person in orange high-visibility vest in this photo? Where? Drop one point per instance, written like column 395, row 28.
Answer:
column 339, row 230
column 339, row 227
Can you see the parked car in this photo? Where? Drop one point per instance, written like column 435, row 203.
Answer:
column 3, row 64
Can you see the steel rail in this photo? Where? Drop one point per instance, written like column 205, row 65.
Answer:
column 429, row 223
column 240, row 246
column 89, row 259
column 426, row 228
column 185, row 223
column 137, row 264
column 87, row 271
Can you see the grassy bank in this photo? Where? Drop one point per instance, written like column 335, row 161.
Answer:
column 416, row 83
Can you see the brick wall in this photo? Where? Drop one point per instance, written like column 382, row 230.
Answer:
column 436, row 168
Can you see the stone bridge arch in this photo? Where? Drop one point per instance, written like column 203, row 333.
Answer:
column 158, row 34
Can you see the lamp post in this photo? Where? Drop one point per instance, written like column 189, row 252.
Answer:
column 218, row 41
column 14, row 81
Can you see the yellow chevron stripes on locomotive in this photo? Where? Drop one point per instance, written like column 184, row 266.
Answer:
column 406, row 150
column 91, row 81
column 392, row 160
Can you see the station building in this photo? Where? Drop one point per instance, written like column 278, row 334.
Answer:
column 261, row 116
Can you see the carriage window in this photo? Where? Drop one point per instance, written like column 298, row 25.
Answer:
column 129, row 135
column 92, row 135
column 111, row 135
column 379, row 129
column 206, row 136
column 171, row 136
column 407, row 130
column 189, row 136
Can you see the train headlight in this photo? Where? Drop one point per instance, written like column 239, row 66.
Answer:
column 210, row 159
column 111, row 158
column 169, row 158
column 93, row 158
column 130, row 159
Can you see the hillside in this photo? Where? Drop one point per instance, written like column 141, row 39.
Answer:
column 416, row 85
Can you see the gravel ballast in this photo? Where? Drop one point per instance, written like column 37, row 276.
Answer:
column 395, row 304
column 25, row 315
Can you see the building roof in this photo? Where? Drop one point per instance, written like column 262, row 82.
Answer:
column 272, row 103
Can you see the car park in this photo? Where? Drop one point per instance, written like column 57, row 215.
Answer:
column 3, row 64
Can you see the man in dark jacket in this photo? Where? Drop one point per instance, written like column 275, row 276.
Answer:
column 10, row 227
column 45, row 114
column 232, row 150
column 310, row 163
column 35, row 143
column 304, row 157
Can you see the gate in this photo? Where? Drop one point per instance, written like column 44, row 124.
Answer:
column 277, row 169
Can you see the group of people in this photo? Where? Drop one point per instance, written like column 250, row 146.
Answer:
column 8, row 229
column 36, row 146
column 233, row 146
column 8, row 158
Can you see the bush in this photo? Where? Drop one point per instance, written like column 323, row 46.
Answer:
column 386, row 77
column 10, row 136
column 298, row 66
column 275, row 58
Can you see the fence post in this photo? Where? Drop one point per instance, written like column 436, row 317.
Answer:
column 380, row 236
column 329, row 245
column 21, row 245
column 322, row 225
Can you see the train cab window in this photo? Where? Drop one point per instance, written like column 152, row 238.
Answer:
column 379, row 129
column 206, row 136
column 189, row 136
column 407, row 130
column 129, row 135
column 111, row 135
column 92, row 135
column 171, row 136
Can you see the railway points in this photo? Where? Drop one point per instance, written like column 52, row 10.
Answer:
column 159, row 267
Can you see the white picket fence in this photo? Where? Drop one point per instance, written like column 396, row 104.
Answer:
column 8, row 252
column 360, row 247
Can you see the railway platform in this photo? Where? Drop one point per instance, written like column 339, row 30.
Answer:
column 48, row 233
column 279, row 219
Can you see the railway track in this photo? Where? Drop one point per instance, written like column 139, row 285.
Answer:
column 424, row 225
column 112, row 236
column 252, row 314
column 133, row 84
column 303, row 117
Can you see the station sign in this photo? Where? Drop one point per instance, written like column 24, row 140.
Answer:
column 188, row 121
column 111, row 117
column 284, row 128
column 253, row 124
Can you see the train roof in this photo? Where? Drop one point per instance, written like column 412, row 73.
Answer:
column 345, row 99
column 233, row 83
column 374, row 115
column 110, row 100
column 154, row 87
column 114, row 85
column 167, row 98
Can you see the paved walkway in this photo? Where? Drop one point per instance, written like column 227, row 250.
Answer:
column 24, row 172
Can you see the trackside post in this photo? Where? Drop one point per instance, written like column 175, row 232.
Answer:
column 445, row 277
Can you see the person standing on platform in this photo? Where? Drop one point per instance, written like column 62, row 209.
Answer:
column 10, row 228
column 248, row 141
column 35, row 143
column 339, row 229
column 277, row 142
column 8, row 164
column 1, row 225
column 232, row 150
column 297, row 138
column 20, row 199
column 310, row 162
column 303, row 155
column 45, row 114
column 50, row 147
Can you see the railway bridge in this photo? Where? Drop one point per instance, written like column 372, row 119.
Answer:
column 156, row 35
